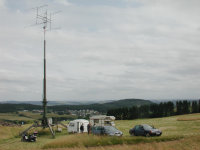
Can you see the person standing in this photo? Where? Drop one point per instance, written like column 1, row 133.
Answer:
column 82, row 128
column 89, row 128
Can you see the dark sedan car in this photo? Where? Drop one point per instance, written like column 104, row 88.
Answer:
column 144, row 130
column 106, row 130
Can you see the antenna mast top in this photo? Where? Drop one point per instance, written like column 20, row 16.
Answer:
column 42, row 17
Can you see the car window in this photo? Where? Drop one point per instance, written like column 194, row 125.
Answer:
column 147, row 127
column 99, row 128
column 141, row 127
column 94, row 128
column 136, row 127
column 110, row 129
column 107, row 123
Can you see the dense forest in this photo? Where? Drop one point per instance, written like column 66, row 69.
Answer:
column 98, row 107
column 5, row 108
column 155, row 110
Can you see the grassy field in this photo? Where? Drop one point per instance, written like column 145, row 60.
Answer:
column 38, row 115
column 179, row 133
column 13, row 116
column 29, row 117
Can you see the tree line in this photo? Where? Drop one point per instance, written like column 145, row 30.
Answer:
column 163, row 109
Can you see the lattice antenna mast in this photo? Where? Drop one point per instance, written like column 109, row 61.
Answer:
column 44, row 18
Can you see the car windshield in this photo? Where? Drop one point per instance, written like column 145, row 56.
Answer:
column 110, row 129
column 147, row 127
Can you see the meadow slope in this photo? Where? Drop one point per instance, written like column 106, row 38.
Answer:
column 179, row 132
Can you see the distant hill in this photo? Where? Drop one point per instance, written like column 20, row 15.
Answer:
column 101, row 107
column 104, row 106
column 128, row 103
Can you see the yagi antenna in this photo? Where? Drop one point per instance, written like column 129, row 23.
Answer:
column 44, row 17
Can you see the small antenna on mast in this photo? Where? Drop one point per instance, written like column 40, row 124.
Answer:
column 44, row 17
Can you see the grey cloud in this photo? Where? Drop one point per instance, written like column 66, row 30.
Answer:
column 150, row 50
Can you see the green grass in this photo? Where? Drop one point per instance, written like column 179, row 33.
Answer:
column 171, row 127
column 39, row 116
column 27, row 117
column 174, row 132
column 13, row 116
column 12, row 140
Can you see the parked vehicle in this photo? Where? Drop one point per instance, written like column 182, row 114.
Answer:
column 74, row 126
column 106, row 130
column 144, row 130
column 29, row 137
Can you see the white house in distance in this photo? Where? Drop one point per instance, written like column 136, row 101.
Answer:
column 102, row 120
column 74, row 126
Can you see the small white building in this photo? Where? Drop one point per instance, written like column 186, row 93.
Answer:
column 74, row 126
column 102, row 120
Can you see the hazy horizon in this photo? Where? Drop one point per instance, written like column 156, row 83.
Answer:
column 98, row 100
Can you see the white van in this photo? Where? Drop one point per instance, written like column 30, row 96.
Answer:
column 74, row 126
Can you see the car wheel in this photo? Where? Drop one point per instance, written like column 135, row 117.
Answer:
column 147, row 135
column 131, row 132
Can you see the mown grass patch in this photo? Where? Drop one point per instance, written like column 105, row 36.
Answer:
column 72, row 141
column 187, row 119
column 190, row 117
column 187, row 143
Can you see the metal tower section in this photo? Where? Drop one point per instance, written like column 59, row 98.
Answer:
column 44, row 18
column 44, row 119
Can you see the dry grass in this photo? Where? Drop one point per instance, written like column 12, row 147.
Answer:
column 8, row 132
column 191, row 117
column 84, row 140
column 187, row 119
column 189, row 143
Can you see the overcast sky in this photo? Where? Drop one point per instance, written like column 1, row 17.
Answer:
column 105, row 49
